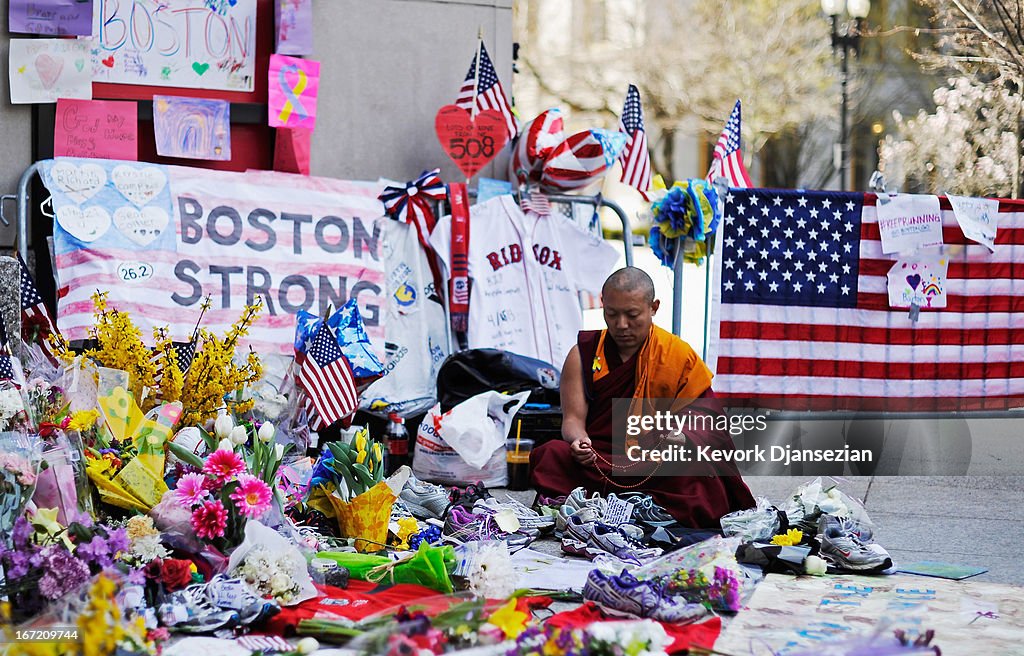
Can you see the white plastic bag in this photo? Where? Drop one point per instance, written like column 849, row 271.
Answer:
column 467, row 443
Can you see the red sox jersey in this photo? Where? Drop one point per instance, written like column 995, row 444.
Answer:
column 527, row 272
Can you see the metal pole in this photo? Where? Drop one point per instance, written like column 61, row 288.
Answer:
column 23, row 209
column 677, row 290
column 843, row 165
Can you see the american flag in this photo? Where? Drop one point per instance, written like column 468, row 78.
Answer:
column 489, row 93
column 728, row 160
column 34, row 310
column 6, row 366
column 325, row 375
column 804, row 311
column 635, row 159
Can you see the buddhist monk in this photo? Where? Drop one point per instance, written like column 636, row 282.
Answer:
column 631, row 359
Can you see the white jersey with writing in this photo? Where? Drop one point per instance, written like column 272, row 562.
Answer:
column 527, row 272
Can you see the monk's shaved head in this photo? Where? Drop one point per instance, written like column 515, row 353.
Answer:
column 630, row 279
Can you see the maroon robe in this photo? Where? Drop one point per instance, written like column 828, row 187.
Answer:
column 696, row 501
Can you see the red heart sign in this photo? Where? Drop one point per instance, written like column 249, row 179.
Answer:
column 471, row 144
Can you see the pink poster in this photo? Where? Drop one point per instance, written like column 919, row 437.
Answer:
column 291, row 150
column 294, row 27
column 292, row 91
column 107, row 129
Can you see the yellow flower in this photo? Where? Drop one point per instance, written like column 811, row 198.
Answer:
column 83, row 420
column 378, row 454
column 792, row 537
column 361, row 457
column 407, row 527
column 141, row 526
column 360, row 441
column 509, row 619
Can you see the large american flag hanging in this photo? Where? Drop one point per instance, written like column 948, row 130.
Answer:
column 635, row 158
column 486, row 93
column 727, row 160
column 803, row 310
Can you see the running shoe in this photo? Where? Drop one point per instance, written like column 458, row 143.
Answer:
column 424, row 500
column 462, row 525
column 647, row 513
column 618, row 543
column 529, row 519
column 625, row 596
column 465, row 497
column 841, row 547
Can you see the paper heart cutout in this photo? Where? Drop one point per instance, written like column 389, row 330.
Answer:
column 142, row 227
column 471, row 144
column 139, row 185
column 108, row 62
column 200, row 68
column 80, row 183
column 49, row 69
column 914, row 280
column 84, row 225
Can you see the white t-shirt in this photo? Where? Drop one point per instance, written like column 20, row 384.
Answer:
column 527, row 271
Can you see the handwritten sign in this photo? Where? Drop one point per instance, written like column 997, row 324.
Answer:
column 978, row 218
column 196, row 44
column 194, row 128
column 43, row 70
column 292, row 90
column 294, row 27
column 106, row 129
column 162, row 238
column 470, row 143
column 919, row 281
column 908, row 222
column 51, row 17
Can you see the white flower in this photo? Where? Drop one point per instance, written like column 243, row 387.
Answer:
column 238, row 435
column 280, row 582
column 266, row 432
column 307, row 646
column 815, row 566
column 148, row 547
column 222, row 427
column 226, row 445
column 489, row 570
column 278, row 451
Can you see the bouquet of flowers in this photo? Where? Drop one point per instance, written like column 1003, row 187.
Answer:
column 47, row 561
column 348, row 483
column 19, row 466
column 640, row 638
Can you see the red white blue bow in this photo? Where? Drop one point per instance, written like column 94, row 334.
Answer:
column 413, row 203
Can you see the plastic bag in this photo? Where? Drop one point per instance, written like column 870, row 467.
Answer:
column 813, row 499
column 20, row 455
column 755, row 524
column 467, row 443
column 428, row 566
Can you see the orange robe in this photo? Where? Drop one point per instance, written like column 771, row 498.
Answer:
column 665, row 367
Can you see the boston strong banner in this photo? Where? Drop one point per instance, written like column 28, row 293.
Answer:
column 161, row 238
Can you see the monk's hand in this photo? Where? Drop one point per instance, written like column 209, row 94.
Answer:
column 583, row 451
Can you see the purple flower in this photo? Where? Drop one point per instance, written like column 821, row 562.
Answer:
column 17, row 564
column 81, row 518
column 95, row 551
column 63, row 574
column 118, row 541
column 21, row 533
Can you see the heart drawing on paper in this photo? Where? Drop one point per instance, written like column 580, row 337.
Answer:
column 84, row 225
column 79, row 64
column 142, row 227
column 914, row 281
column 80, row 183
column 139, row 185
column 471, row 143
column 49, row 69
column 200, row 68
column 108, row 62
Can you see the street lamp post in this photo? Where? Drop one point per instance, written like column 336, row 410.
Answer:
column 845, row 39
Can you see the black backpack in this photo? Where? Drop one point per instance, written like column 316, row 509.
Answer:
column 468, row 373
